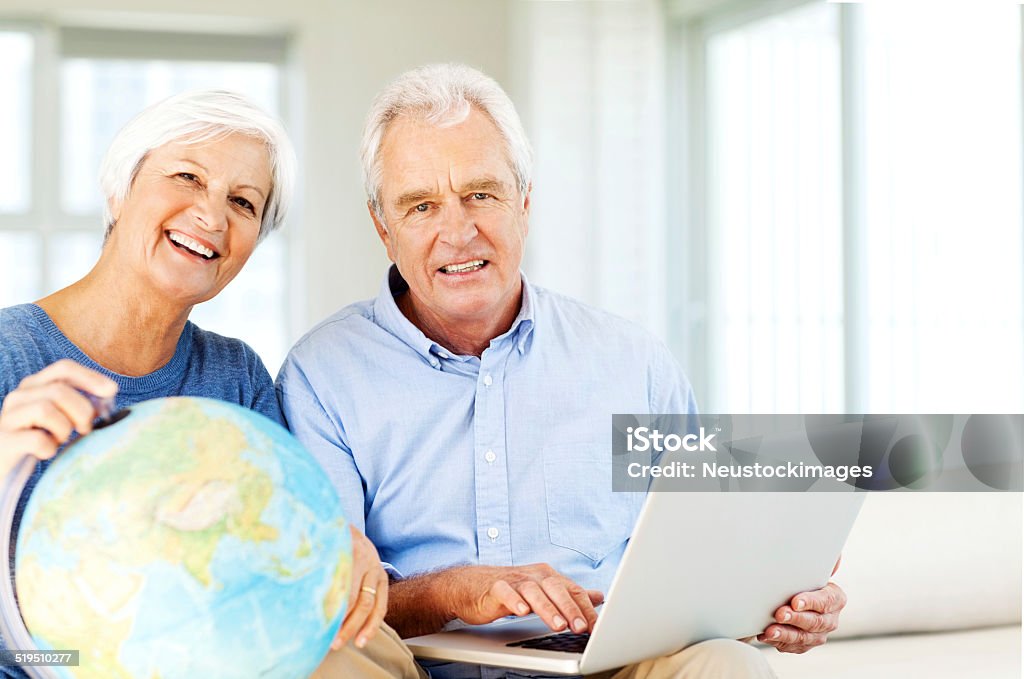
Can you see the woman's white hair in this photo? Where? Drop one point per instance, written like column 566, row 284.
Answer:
column 193, row 118
column 442, row 95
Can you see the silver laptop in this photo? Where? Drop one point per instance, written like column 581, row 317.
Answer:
column 698, row 566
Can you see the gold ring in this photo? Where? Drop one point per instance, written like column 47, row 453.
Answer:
column 369, row 590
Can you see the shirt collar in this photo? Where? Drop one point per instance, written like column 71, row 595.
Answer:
column 523, row 325
column 391, row 318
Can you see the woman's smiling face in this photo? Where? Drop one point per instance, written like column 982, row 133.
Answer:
column 192, row 216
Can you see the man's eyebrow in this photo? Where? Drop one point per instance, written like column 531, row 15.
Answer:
column 486, row 185
column 413, row 197
column 479, row 184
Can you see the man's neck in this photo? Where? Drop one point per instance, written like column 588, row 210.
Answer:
column 466, row 338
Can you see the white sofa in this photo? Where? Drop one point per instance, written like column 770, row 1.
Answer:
column 934, row 586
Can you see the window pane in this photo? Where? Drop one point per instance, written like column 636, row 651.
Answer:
column 19, row 268
column 774, row 215
column 100, row 95
column 944, row 207
column 252, row 307
column 72, row 254
column 15, row 121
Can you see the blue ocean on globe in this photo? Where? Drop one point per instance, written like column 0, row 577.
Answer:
column 193, row 538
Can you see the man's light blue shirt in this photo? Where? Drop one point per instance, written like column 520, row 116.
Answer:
column 500, row 460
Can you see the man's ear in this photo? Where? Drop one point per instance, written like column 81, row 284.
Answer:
column 382, row 230
column 526, row 210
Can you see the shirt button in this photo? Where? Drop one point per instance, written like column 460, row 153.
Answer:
column 490, row 456
column 492, row 533
column 443, row 355
column 487, row 380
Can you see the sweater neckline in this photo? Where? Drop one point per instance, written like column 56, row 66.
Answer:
column 157, row 379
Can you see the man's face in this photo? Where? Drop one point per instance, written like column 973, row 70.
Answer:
column 455, row 221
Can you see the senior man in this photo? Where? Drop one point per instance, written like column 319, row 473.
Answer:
column 464, row 413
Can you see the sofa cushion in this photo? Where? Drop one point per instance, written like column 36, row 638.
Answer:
column 992, row 653
column 932, row 561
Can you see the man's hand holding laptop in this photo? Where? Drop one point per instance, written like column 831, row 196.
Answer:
column 807, row 620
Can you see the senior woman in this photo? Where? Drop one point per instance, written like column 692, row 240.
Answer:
column 192, row 185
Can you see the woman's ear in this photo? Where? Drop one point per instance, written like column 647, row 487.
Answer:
column 114, row 205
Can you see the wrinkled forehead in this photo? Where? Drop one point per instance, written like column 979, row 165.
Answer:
column 417, row 153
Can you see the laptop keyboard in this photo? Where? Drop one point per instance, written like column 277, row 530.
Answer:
column 567, row 642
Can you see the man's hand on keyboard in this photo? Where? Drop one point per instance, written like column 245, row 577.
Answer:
column 482, row 594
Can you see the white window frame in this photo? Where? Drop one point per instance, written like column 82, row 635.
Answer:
column 53, row 42
column 690, row 24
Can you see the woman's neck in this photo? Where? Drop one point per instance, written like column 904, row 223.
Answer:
column 125, row 331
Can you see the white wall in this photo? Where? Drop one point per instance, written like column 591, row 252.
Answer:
column 589, row 82
column 345, row 51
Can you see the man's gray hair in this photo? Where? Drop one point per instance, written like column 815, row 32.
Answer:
column 442, row 95
column 193, row 118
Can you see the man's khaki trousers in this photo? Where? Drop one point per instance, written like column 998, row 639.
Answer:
column 386, row 657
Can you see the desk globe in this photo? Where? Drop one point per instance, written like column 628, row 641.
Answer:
column 193, row 538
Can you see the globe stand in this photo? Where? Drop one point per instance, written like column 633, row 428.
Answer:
column 12, row 627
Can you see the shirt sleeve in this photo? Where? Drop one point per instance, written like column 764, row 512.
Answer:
column 306, row 417
column 670, row 390
column 671, row 393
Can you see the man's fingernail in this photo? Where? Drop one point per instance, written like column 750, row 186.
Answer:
column 786, row 617
column 775, row 634
column 523, row 609
column 799, row 604
column 360, row 642
column 579, row 624
column 559, row 622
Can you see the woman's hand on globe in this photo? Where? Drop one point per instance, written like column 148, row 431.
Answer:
column 42, row 412
column 367, row 597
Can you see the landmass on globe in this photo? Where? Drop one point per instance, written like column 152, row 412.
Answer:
column 194, row 538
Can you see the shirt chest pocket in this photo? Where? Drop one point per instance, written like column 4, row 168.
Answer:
column 584, row 514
